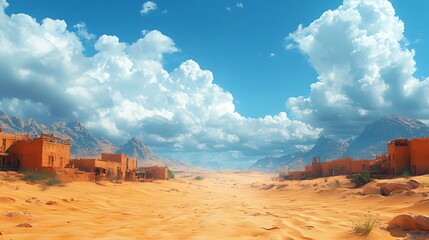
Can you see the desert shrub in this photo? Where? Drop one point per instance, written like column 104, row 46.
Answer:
column 37, row 176
column 198, row 178
column 170, row 174
column 335, row 184
column 366, row 226
column 46, row 179
column 405, row 173
column 53, row 182
column 361, row 179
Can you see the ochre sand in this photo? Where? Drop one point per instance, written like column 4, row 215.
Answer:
column 223, row 205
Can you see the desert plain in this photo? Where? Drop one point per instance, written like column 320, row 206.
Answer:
column 204, row 205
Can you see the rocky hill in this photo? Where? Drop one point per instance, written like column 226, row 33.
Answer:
column 374, row 138
column 135, row 148
column 84, row 143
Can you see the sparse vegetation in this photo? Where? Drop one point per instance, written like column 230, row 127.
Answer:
column 361, row 179
column 53, row 182
column 37, row 176
column 366, row 226
column 46, row 179
column 170, row 174
column 198, row 178
column 335, row 184
column 405, row 174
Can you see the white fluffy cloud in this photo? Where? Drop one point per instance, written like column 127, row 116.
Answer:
column 148, row 7
column 82, row 31
column 364, row 71
column 124, row 90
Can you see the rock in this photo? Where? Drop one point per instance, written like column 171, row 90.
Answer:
column 17, row 214
column 387, row 188
column 422, row 222
column 413, row 184
column 370, row 190
column 51, row 203
column 33, row 200
column 26, row 225
column 408, row 222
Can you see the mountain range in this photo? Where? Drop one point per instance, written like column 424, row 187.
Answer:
column 370, row 142
column 86, row 144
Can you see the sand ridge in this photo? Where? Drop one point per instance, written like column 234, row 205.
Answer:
column 223, row 205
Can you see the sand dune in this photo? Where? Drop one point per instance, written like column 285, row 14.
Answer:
column 223, row 205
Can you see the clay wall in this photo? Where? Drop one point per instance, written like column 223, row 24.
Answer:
column 161, row 173
column 419, row 156
column 399, row 157
column 131, row 164
column 7, row 139
column 27, row 154
column 112, row 157
column 358, row 166
column 154, row 172
column 297, row 175
column 54, row 154
column 309, row 171
column 325, row 166
column 339, row 167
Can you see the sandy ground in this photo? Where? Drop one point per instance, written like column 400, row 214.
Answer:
column 223, row 205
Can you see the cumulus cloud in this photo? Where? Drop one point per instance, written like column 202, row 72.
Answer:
column 364, row 71
column 124, row 90
column 82, row 31
column 240, row 5
column 148, row 7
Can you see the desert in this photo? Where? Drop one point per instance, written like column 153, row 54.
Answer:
column 205, row 205
column 215, row 119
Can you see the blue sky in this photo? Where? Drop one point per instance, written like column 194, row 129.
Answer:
column 234, row 44
column 262, row 66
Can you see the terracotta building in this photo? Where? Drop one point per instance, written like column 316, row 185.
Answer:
column 344, row 166
column 403, row 157
column 419, row 156
column 109, row 165
column 46, row 152
column 6, row 140
column 399, row 156
column 154, row 172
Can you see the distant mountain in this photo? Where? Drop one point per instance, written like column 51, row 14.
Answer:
column 325, row 148
column 135, row 148
column 84, row 143
column 16, row 125
column 371, row 142
column 374, row 138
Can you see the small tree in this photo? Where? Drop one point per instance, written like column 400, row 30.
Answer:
column 170, row 174
column 361, row 179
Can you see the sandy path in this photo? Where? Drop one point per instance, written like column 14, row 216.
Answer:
column 225, row 205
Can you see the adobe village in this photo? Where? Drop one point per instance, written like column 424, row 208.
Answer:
column 404, row 157
column 320, row 202
column 49, row 153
